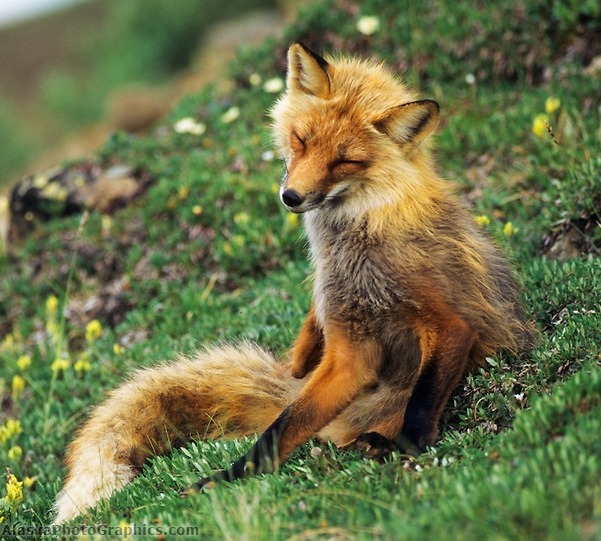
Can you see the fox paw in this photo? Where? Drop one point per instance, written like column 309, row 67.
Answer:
column 378, row 447
column 203, row 485
column 373, row 445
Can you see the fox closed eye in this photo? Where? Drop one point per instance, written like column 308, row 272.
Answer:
column 348, row 166
column 343, row 161
column 297, row 143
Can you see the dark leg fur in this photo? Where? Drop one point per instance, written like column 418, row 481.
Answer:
column 420, row 417
column 373, row 445
column 430, row 395
column 261, row 458
column 435, row 384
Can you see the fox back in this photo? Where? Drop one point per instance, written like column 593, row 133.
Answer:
column 388, row 236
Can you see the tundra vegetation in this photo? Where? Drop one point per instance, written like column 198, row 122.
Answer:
column 209, row 254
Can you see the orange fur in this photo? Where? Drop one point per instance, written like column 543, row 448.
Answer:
column 308, row 347
column 333, row 385
column 408, row 295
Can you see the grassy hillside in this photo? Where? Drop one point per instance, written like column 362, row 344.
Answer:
column 209, row 254
column 64, row 71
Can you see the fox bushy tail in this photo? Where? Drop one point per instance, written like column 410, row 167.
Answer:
column 227, row 392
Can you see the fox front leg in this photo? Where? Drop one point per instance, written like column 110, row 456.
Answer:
column 347, row 367
column 308, row 347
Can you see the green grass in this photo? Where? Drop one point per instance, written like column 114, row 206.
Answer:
column 519, row 456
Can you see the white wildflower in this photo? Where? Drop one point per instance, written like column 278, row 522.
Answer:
column 230, row 115
column 268, row 156
column 368, row 25
column 273, row 86
column 189, row 125
column 254, row 79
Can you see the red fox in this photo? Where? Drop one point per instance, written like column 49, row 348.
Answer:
column 408, row 295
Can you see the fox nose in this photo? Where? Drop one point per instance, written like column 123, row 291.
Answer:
column 292, row 198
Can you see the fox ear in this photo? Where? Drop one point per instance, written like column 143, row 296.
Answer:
column 307, row 72
column 410, row 123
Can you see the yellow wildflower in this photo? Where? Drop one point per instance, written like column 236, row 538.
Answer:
column 51, row 305
column 241, row 218
column 18, row 385
column 14, row 492
column 41, row 180
column 15, row 453
column 227, row 249
column 183, row 192
column 24, row 362
column 82, row 365
column 239, row 240
column 118, row 349
column 510, row 229
column 54, row 192
column 125, row 529
column 292, row 220
column 106, row 223
column 8, row 342
column 59, row 365
column 254, row 79
column 28, row 481
column 10, row 429
column 539, row 125
column 93, row 330
column 552, row 104
column 482, row 220
column 197, row 210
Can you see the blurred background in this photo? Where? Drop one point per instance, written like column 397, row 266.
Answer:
column 72, row 71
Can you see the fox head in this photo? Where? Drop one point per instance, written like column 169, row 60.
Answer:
column 348, row 132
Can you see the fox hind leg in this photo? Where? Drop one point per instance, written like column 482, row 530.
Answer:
column 445, row 352
column 445, row 359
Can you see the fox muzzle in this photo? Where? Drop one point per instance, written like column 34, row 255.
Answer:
column 292, row 198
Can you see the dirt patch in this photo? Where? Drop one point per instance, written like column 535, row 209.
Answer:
column 572, row 239
column 66, row 191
